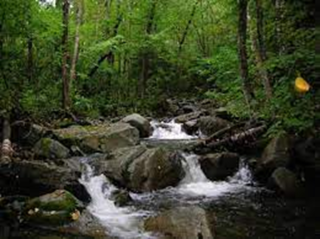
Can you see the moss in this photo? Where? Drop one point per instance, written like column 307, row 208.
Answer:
column 45, row 146
column 56, row 201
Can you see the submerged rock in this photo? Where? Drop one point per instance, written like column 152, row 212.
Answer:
column 121, row 198
column 34, row 178
column 50, row 149
column 101, row 138
column 139, row 122
column 219, row 166
column 209, row 125
column 184, row 223
column 285, row 181
column 57, row 208
column 275, row 155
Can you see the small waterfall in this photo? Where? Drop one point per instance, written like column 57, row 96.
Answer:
column 244, row 175
column 195, row 182
column 171, row 130
column 122, row 222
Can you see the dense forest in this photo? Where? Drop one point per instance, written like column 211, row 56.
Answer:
column 111, row 57
column 144, row 119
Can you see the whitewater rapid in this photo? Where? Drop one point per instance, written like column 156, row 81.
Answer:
column 127, row 222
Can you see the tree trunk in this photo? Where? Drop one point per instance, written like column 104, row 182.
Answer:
column 145, row 61
column 260, row 50
column 30, row 58
column 109, row 55
column 186, row 30
column 79, row 10
column 278, row 5
column 66, row 102
column 242, row 49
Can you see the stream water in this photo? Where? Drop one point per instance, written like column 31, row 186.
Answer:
column 242, row 209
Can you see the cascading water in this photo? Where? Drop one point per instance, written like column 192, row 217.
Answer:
column 195, row 182
column 122, row 222
column 169, row 130
column 126, row 222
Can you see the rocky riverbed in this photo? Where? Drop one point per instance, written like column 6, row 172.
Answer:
column 136, row 178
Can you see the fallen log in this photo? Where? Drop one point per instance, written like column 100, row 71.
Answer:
column 240, row 139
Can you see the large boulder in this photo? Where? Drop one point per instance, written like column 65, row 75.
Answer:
column 285, row 181
column 141, row 169
column 57, row 208
column 219, row 166
column 101, row 138
column 183, row 222
column 34, row 178
column 50, row 149
column 155, row 169
column 115, row 166
column 139, row 122
column 275, row 155
column 209, row 125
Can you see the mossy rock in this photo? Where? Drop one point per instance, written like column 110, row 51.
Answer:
column 57, row 208
column 49, row 148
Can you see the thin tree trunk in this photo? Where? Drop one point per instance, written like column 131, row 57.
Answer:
column 278, row 5
column 30, row 59
column 145, row 56
column 66, row 102
column 109, row 55
column 73, row 73
column 260, row 50
column 186, row 30
column 242, row 49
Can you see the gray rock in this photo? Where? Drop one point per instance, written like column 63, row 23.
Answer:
column 155, row 169
column 209, row 125
column 285, row 181
column 190, row 127
column 100, row 138
column 87, row 226
column 139, row 122
column 184, row 223
column 219, row 166
column 50, row 149
column 35, row 178
column 275, row 155
column 141, row 169
column 188, row 117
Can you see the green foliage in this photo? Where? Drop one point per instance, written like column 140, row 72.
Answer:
column 146, row 64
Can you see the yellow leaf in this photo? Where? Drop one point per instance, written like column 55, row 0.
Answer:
column 301, row 85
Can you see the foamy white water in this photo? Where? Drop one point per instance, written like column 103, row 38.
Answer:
column 123, row 222
column 169, row 130
column 195, row 182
